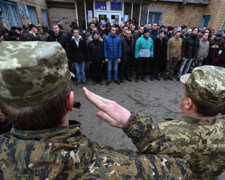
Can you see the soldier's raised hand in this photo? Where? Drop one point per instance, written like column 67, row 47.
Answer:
column 110, row 111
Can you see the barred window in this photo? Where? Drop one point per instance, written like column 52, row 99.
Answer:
column 10, row 14
column 32, row 15
column 44, row 16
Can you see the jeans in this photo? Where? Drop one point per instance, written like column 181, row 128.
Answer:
column 80, row 74
column 112, row 63
column 195, row 63
column 213, row 61
column 184, row 68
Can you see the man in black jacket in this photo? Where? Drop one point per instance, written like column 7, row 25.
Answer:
column 128, row 47
column 76, row 50
column 160, row 53
column 57, row 35
column 189, row 52
column 96, row 56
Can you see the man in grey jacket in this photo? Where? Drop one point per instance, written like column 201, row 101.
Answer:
column 203, row 51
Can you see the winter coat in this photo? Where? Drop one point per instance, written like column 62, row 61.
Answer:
column 61, row 38
column 144, row 43
column 29, row 37
column 128, row 51
column 160, row 48
column 189, row 47
column 136, row 36
column 168, row 36
column 174, row 48
column 203, row 49
column 96, row 51
column 76, row 54
column 153, row 34
column 222, row 56
column 112, row 47
column 43, row 36
column 215, row 52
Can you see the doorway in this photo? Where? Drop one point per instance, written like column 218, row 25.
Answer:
column 111, row 15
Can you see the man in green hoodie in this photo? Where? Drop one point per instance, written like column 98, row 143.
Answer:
column 144, row 50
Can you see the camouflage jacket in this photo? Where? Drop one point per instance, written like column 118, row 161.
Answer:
column 201, row 142
column 64, row 153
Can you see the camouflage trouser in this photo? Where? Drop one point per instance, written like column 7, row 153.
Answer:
column 170, row 67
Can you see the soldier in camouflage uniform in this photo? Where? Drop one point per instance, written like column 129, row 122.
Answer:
column 36, row 96
column 199, row 136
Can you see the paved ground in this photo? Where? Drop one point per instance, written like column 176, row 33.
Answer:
column 160, row 99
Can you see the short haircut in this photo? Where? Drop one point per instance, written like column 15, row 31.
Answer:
column 194, row 28
column 91, row 24
column 75, row 29
column 113, row 27
column 128, row 30
column 55, row 25
column 201, row 108
column 39, row 117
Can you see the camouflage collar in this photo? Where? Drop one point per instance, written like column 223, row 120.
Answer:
column 57, row 135
column 199, row 121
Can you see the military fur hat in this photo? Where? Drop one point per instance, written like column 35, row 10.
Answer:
column 207, row 85
column 32, row 72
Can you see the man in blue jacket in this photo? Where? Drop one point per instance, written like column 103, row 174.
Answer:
column 112, row 52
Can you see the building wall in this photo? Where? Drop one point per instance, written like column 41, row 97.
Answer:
column 65, row 15
column 216, row 10
column 38, row 4
column 190, row 15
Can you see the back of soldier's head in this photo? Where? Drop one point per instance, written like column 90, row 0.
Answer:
column 206, row 88
column 34, row 84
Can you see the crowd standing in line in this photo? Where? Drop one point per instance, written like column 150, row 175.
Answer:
column 119, row 50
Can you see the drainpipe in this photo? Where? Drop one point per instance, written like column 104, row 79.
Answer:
column 183, row 4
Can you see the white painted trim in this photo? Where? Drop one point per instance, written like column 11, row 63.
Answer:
column 139, row 22
column 123, row 10
column 132, row 10
column 85, row 14
column 148, row 13
column 75, row 3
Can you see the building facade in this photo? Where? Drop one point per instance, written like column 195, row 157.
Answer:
column 193, row 13
column 22, row 12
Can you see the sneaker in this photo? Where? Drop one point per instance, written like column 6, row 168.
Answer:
column 136, row 80
column 144, row 80
column 178, row 79
column 170, row 78
column 101, row 83
column 165, row 78
column 117, row 82
column 108, row 83
column 157, row 78
column 129, row 79
column 151, row 78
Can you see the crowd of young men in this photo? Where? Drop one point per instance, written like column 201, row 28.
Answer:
column 119, row 50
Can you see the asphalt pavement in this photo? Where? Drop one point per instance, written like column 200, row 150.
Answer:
column 158, row 99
